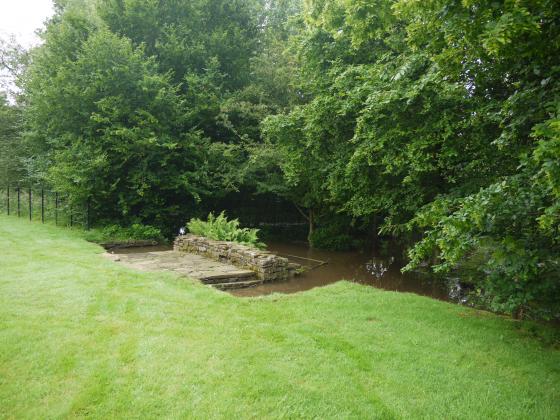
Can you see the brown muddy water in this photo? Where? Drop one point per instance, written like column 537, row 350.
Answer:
column 364, row 268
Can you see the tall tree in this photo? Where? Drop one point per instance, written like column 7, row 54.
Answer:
column 506, row 54
column 439, row 117
column 11, row 153
column 140, row 104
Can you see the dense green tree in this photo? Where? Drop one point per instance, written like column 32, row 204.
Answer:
column 112, row 119
column 13, row 60
column 205, row 45
column 440, row 118
column 13, row 158
column 104, row 125
column 186, row 36
column 11, row 154
column 506, row 54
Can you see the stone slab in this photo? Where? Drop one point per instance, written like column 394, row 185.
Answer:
column 188, row 265
column 266, row 265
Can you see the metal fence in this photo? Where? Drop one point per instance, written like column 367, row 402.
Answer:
column 40, row 204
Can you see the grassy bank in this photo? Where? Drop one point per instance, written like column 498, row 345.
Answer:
column 82, row 336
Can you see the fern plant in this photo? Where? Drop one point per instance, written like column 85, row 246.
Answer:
column 221, row 229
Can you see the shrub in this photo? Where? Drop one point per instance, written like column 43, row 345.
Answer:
column 330, row 238
column 116, row 233
column 221, row 229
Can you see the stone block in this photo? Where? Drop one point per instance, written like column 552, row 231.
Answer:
column 266, row 265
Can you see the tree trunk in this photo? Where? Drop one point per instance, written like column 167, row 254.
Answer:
column 309, row 217
column 310, row 233
column 374, row 234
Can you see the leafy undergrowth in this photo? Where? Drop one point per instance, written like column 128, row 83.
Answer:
column 83, row 336
column 220, row 228
column 119, row 234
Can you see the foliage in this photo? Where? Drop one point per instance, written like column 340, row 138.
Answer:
column 337, row 233
column 13, row 60
column 516, row 213
column 106, row 123
column 221, row 229
column 148, row 108
column 186, row 35
column 439, row 118
column 116, row 233
column 12, row 155
column 331, row 239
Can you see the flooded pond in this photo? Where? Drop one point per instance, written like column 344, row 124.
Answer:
column 363, row 268
column 326, row 267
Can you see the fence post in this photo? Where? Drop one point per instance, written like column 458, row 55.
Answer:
column 8, row 200
column 87, row 214
column 18, row 201
column 56, row 208
column 71, row 216
column 30, row 205
column 42, row 205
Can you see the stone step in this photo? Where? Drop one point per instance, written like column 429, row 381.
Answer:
column 220, row 275
column 237, row 285
column 227, row 277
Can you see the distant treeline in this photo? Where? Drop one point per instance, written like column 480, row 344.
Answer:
column 433, row 122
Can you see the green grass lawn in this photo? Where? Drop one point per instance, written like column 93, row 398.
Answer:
column 82, row 336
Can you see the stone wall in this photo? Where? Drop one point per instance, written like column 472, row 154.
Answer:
column 267, row 266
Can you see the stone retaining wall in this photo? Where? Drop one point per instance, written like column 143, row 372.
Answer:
column 267, row 266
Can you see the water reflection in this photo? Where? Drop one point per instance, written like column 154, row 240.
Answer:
column 378, row 268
